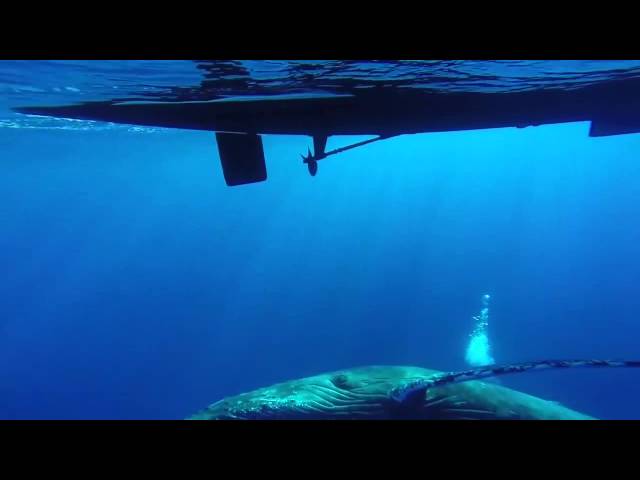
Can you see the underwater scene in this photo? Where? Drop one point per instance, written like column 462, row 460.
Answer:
column 321, row 239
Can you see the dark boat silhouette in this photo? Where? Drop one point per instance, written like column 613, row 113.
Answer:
column 612, row 107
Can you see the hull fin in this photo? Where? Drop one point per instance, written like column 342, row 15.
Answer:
column 242, row 158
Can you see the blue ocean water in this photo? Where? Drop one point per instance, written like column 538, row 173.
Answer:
column 137, row 285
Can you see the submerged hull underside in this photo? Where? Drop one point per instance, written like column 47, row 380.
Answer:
column 612, row 107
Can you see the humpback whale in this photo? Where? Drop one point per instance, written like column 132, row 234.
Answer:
column 382, row 392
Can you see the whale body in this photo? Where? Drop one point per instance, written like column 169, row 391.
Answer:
column 366, row 393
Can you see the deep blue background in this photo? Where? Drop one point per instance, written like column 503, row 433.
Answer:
column 135, row 284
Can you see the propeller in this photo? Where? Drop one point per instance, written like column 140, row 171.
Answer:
column 311, row 162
